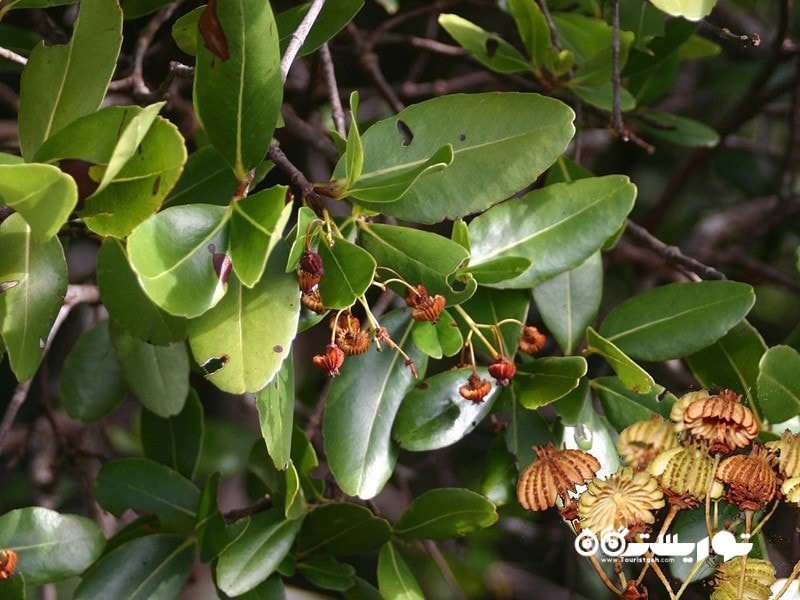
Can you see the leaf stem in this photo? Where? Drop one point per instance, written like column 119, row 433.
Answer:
column 476, row 330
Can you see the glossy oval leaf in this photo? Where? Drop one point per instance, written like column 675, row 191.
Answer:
column 623, row 407
column 545, row 380
column 332, row 18
column 341, row 529
column 206, row 179
column 395, row 578
column 527, row 428
column 50, row 546
column 126, row 302
column 569, row 302
column 275, row 404
column 677, row 319
column 257, row 223
column 778, row 386
column 488, row 48
column 533, row 30
column 445, row 513
column 92, row 383
column 61, row 83
column 421, row 257
column 33, row 281
column 180, row 256
column 256, row 553
column 349, row 270
column 153, row 567
column 434, row 415
column 442, row 338
column 557, row 227
column 237, row 81
column 632, row 375
column 147, row 487
column 175, row 441
column 679, row 130
column 731, row 362
column 361, row 452
column 691, row 10
column 328, row 573
column 495, row 134
column 42, row 194
column 158, row 375
column 242, row 342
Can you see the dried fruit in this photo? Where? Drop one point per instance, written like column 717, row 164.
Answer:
column 349, row 335
column 640, row 443
column 752, row 484
column 425, row 307
column 503, row 371
column 759, row 575
column 720, row 419
column 8, row 562
column 531, row 340
column 626, row 500
column 788, row 451
column 554, row 474
column 330, row 361
column 791, row 491
column 476, row 388
column 634, row 591
column 684, row 474
column 310, row 271
column 313, row 301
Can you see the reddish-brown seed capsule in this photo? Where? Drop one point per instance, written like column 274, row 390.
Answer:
column 312, row 301
column 308, row 282
column 311, row 262
column 8, row 562
column 503, row 371
column 330, row 361
column 476, row 389
column 424, row 306
column 531, row 340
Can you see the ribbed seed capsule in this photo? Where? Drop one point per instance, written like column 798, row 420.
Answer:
column 640, row 443
column 554, row 473
column 626, row 500
column 721, row 420
column 8, row 562
column 684, row 474
column 791, row 491
column 788, row 451
column 752, row 484
column 759, row 575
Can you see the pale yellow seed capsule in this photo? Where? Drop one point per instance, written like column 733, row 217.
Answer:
column 684, row 474
column 628, row 499
column 640, row 443
column 791, row 491
column 788, row 451
column 759, row 576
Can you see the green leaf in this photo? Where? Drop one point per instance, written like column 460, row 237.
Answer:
column 42, row 194
column 331, row 19
column 206, row 179
column 257, row 223
column 499, row 479
column 442, row 338
column 632, row 375
column 731, row 362
column 601, row 96
column 395, row 578
column 33, row 281
column 184, row 31
column 492, row 306
column 298, row 234
column 153, row 567
column 408, row 251
column 545, row 380
column 327, row 573
column 622, row 407
column 180, row 257
column 568, row 303
column 272, row 588
column 92, row 383
column 349, row 270
column 691, row 10
column 158, row 375
column 494, row 134
column 488, row 48
column 678, row 319
column 361, row 452
column 527, row 428
column 237, row 81
column 354, row 151
column 211, row 530
column 275, row 404
column 126, row 302
column 150, row 488
column 50, row 546
column 679, row 130
column 445, row 513
column 13, row 588
column 557, row 227
column 256, row 553
column 242, row 342
column 175, row 441
column 641, row 18
column 294, row 506
column 434, row 414
column 778, row 389
column 533, row 30
column 499, row 269
column 341, row 529
column 133, row 9
column 61, row 83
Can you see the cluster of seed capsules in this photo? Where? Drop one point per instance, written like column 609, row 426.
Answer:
column 707, row 451
column 349, row 338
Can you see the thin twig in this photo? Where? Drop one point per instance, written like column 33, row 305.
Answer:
column 299, row 37
column 550, row 23
column 616, row 109
column 313, row 136
column 444, row 568
column 371, row 66
column 296, row 176
column 13, row 56
column 333, row 90
column 259, row 505
column 792, row 160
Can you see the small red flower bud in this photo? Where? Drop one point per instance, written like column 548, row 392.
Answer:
column 330, row 361
column 476, row 389
column 531, row 340
column 503, row 370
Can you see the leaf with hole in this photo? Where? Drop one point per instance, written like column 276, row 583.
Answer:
column 488, row 48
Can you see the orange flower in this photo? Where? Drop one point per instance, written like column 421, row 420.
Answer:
column 330, row 361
